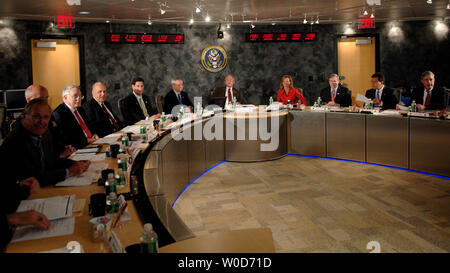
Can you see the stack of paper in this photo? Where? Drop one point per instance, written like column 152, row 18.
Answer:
column 89, row 156
column 57, row 209
column 109, row 139
column 86, row 178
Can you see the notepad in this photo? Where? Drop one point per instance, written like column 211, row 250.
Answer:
column 53, row 208
column 59, row 227
column 86, row 178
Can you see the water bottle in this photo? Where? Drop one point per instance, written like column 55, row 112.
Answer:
column 110, row 184
column 149, row 240
column 120, row 178
column 122, row 164
column 371, row 105
column 112, row 205
column 319, row 101
column 143, row 133
column 414, row 106
column 234, row 102
column 270, row 100
column 125, row 140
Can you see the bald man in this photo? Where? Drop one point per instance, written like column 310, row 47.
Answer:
column 36, row 91
column 99, row 114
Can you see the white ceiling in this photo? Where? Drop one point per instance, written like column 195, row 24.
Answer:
column 258, row 11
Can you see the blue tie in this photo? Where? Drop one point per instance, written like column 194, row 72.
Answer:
column 179, row 99
column 378, row 94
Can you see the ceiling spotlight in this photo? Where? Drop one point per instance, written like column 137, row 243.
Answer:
column 429, row 1
column 149, row 22
column 207, row 19
column 372, row 15
column 448, row 6
column 107, row 21
column 317, row 21
column 84, row 12
column 191, row 21
column 273, row 24
column 228, row 26
column 162, row 11
column 304, row 21
column 197, row 10
column 365, row 13
column 252, row 25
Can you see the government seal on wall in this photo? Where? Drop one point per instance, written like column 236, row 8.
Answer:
column 214, row 58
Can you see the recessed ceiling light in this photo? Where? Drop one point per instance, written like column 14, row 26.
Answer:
column 197, row 10
column 149, row 22
column 429, row 1
column 107, row 21
column 85, row 12
column 207, row 19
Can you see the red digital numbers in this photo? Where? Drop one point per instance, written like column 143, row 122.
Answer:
column 138, row 38
column 310, row 36
column 64, row 22
column 268, row 37
column 254, row 37
column 296, row 36
column 146, row 38
column 282, row 37
column 178, row 39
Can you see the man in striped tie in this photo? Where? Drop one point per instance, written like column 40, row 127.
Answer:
column 380, row 94
column 71, row 119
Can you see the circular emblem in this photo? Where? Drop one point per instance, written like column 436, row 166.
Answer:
column 214, row 58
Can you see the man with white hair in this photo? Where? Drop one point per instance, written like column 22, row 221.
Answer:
column 176, row 96
column 428, row 97
column 71, row 119
column 224, row 96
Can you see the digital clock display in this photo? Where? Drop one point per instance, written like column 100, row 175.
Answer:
column 144, row 38
column 281, row 37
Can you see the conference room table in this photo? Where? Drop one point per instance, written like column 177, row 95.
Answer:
column 168, row 164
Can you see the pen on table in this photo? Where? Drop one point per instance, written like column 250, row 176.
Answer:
column 122, row 210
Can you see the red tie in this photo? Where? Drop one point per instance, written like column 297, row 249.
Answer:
column 110, row 117
column 83, row 125
column 332, row 94
column 428, row 98
column 229, row 95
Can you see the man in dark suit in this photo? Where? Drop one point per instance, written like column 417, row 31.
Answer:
column 137, row 106
column 224, row 96
column 28, row 151
column 9, row 218
column 176, row 97
column 380, row 94
column 335, row 94
column 38, row 91
column 428, row 97
column 71, row 119
column 99, row 115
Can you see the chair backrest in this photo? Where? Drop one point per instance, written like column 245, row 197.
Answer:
column 447, row 98
column 2, row 119
column 119, row 106
column 159, row 98
column 398, row 93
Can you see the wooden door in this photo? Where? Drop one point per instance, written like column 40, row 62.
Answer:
column 356, row 62
column 55, row 68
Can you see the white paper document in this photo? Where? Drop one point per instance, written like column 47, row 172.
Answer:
column 109, row 139
column 91, row 157
column 59, row 227
column 135, row 129
column 53, row 207
column 92, row 150
column 86, row 178
column 362, row 98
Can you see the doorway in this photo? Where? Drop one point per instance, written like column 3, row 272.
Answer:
column 357, row 61
column 56, row 63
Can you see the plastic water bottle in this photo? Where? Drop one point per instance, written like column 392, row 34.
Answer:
column 270, row 100
column 122, row 164
column 414, row 106
column 112, row 205
column 110, row 184
column 120, row 178
column 319, row 101
column 143, row 133
column 149, row 240
column 125, row 140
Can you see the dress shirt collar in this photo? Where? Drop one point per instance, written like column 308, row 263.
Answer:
column 137, row 96
column 70, row 108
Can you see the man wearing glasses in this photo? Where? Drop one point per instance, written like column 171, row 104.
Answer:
column 71, row 119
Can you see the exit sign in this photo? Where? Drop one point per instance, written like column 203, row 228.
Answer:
column 366, row 23
column 64, row 22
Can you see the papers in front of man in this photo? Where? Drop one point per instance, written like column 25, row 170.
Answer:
column 53, row 208
column 362, row 98
column 86, row 178
column 135, row 129
column 89, row 156
column 88, row 150
column 109, row 139
column 58, row 227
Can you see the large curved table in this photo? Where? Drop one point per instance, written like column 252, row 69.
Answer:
column 169, row 164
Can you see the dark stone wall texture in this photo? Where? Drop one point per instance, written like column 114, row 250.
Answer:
column 256, row 67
